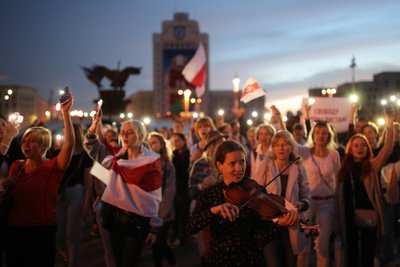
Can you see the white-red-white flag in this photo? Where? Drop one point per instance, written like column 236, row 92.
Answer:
column 251, row 91
column 195, row 70
column 135, row 185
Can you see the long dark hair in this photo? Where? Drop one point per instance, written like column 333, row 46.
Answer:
column 348, row 159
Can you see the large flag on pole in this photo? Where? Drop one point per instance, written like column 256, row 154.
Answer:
column 195, row 70
column 251, row 91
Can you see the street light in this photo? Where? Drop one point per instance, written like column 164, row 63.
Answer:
column 186, row 98
column 236, row 82
column 329, row 91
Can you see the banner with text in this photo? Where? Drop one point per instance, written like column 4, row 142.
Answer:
column 335, row 110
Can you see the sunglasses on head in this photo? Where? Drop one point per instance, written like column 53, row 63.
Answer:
column 321, row 122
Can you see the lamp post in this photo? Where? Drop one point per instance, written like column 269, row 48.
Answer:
column 186, row 98
column 237, row 111
column 329, row 91
column 236, row 82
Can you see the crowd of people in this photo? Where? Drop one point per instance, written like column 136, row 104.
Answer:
column 248, row 196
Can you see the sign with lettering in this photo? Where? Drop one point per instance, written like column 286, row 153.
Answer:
column 335, row 110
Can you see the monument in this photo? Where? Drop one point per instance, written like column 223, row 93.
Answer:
column 113, row 97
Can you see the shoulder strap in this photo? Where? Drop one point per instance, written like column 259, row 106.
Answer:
column 320, row 173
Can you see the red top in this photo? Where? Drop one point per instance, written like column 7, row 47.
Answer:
column 35, row 195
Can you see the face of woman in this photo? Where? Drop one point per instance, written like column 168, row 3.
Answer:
column 155, row 144
column 178, row 142
column 264, row 137
column 203, row 131
column 282, row 149
column 371, row 135
column 233, row 168
column 359, row 149
column 129, row 136
column 31, row 147
column 321, row 136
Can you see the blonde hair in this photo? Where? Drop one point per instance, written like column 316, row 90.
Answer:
column 270, row 129
column 139, row 128
column 331, row 144
column 205, row 121
column 288, row 138
column 41, row 135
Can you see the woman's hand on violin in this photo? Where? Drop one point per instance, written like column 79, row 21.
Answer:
column 289, row 219
column 227, row 211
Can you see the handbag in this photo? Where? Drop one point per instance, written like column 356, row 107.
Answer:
column 6, row 198
column 363, row 218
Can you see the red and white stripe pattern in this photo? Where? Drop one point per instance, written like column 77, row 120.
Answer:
column 135, row 185
column 251, row 91
column 195, row 70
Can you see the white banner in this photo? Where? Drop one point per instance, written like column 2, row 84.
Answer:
column 335, row 110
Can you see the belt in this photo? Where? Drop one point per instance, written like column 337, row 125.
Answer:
column 321, row 198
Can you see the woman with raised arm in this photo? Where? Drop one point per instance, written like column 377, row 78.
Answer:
column 358, row 192
column 31, row 234
column 322, row 163
column 237, row 234
column 133, row 194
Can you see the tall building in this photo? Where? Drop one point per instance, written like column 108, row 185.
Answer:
column 370, row 93
column 172, row 49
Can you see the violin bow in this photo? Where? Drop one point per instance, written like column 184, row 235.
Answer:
column 282, row 171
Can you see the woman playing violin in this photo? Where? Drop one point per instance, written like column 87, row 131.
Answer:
column 238, row 234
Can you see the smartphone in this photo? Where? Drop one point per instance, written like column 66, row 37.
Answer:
column 16, row 117
column 64, row 95
column 99, row 103
column 387, row 108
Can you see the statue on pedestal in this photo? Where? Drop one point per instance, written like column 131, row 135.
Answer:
column 114, row 102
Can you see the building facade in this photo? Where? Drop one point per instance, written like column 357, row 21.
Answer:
column 370, row 93
column 22, row 99
column 172, row 49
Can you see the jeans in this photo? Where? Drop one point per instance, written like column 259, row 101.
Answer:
column 69, row 219
column 105, row 239
column 322, row 211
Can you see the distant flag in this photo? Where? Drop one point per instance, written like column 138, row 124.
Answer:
column 251, row 91
column 195, row 70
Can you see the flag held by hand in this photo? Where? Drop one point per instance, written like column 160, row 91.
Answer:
column 251, row 91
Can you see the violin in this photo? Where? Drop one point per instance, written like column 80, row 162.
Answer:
column 248, row 193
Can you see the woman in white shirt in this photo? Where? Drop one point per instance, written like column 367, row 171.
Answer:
column 322, row 163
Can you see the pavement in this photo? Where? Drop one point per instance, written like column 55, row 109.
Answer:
column 92, row 253
column 187, row 255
